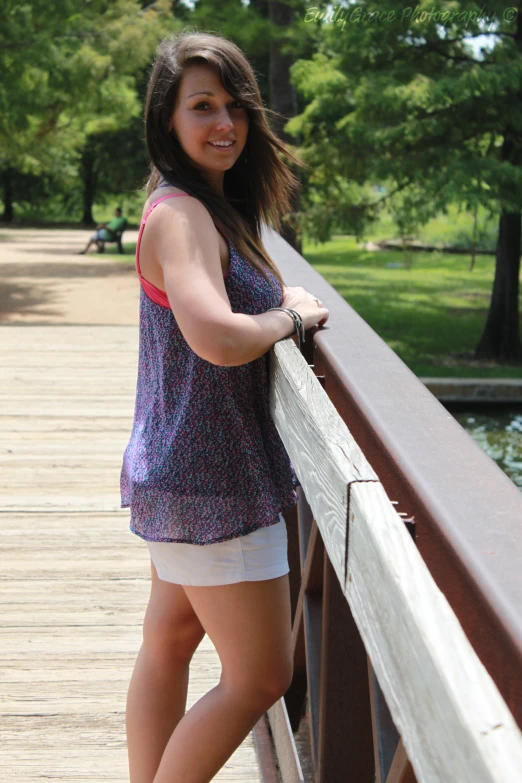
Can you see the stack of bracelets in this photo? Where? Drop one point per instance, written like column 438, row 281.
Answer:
column 298, row 323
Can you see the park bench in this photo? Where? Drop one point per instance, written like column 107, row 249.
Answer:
column 117, row 238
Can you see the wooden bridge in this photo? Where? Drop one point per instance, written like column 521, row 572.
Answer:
column 405, row 556
column 405, row 567
column 75, row 581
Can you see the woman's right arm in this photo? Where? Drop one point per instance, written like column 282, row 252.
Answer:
column 193, row 278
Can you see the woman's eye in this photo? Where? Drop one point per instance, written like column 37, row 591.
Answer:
column 238, row 104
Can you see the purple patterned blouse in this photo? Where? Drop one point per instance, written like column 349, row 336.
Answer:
column 204, row 462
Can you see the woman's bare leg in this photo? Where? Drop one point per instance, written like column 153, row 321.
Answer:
column 249, row 624
column 157, row 694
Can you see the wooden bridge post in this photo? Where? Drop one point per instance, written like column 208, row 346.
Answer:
column 345, row 725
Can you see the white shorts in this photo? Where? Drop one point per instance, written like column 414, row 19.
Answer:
column 262, row 554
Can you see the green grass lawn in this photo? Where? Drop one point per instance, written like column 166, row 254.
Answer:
column 428, row 314
column 432, row 314
column 111, row 252
column 453, row 229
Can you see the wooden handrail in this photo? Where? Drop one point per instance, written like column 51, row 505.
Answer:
column 360, row 566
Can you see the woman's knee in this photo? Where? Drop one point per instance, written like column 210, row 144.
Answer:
column 278, row 683
column 263, row 687
column 250, row 626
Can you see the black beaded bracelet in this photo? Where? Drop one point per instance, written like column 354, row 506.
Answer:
column 298, row 323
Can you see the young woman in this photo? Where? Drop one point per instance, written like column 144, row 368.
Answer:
column 205, row 472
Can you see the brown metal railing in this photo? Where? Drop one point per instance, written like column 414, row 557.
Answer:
column 462, row 512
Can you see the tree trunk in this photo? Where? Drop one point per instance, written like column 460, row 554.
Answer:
column 474, row 239
column 283, row 100
column 261, row 6
column 90, row 178
column 501, row 336
column 7, row 186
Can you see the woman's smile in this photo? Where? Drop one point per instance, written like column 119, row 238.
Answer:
column 222, row 146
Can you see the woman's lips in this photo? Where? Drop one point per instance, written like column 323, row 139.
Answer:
column 221, row 148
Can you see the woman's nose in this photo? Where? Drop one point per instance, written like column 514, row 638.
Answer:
column 224, row 121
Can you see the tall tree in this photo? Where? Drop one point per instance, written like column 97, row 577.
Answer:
column 501, row 336
column 69, row 71
column 398, row 95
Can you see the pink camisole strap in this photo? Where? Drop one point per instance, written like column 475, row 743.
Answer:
column 156, row 294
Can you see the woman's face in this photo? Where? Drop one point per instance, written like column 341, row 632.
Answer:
column 201, row 119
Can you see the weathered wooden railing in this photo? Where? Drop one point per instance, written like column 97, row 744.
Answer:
column 405, row 555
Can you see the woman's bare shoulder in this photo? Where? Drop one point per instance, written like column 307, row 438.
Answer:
column 159, row 192
column 188, row 212
column 192, row 213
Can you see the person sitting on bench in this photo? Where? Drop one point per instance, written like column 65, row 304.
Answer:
column 108, row 232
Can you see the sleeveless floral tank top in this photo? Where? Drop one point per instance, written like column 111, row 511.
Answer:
column 205, row 462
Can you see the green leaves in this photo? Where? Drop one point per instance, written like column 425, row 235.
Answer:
column 70, row 68
column 405, row 100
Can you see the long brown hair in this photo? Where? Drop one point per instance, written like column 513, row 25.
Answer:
column 258, row 188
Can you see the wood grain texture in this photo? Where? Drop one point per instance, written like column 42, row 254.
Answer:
column 74, row 581
column 454, row 724
column 325, row 455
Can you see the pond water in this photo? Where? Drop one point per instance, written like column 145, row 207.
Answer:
column 498, row 430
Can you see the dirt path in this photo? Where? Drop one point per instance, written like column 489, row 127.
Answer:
column 43, row 281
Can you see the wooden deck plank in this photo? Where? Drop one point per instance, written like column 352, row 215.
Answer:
column 74, row 580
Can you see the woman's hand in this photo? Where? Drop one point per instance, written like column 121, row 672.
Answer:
column 311, row 310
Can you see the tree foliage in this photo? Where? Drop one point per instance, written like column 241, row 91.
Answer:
column 69, row 71
column 410, row 104
column 399, row 97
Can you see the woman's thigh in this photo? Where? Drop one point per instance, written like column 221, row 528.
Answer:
column 250, row 625
column 170, row 626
